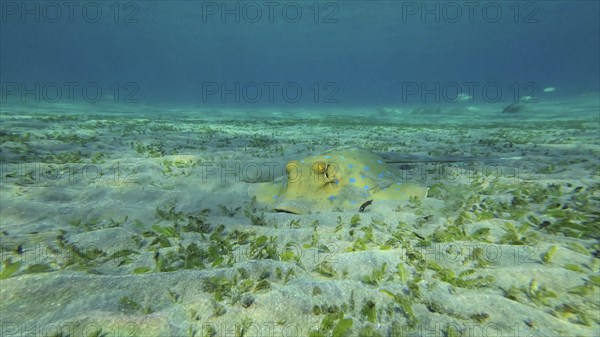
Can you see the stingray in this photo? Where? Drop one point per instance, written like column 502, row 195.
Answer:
column 337, row 180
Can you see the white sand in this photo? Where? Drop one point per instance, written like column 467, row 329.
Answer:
column 130, row 164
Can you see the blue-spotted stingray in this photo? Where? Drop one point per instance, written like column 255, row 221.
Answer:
column 336, row 180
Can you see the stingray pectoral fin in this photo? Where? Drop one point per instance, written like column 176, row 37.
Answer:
column 291, row 207
column 413, row 190
column 402, row 192
column 265, row 193
column 273, row 196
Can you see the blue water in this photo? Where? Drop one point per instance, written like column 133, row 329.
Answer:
column 352, row 53
column 151, row 159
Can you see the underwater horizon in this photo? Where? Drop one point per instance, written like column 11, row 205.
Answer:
column 299, row 168
column 348, row 53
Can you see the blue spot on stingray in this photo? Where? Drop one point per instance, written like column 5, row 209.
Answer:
column 397, row 189
column 331, row 197
column 352, row 180
column 399, row 183
column 350, row 166
column 275, row 197
column 379, row 161
column 352, row 202
column 362, row 176
column 367, row 187
column 366, row 168
column 327, row 157
column 381, row 175
column 336, row 181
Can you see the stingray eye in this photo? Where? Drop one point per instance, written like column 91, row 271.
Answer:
column 331, row 171
column 320, row 167
column 291, row 166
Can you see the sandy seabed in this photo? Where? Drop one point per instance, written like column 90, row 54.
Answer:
column 139, row 223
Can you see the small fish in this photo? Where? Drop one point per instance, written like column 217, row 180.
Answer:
column 365, row 205
column 514, row 108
